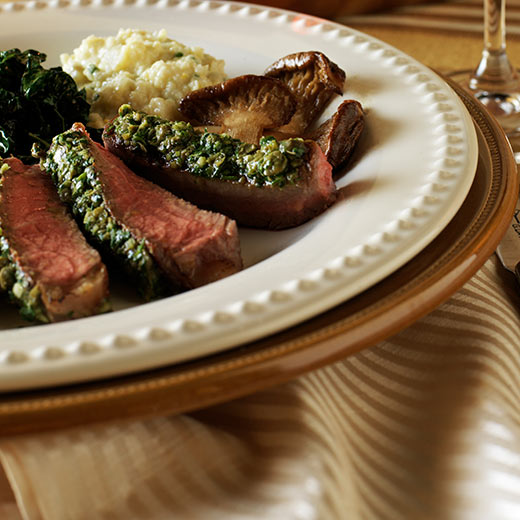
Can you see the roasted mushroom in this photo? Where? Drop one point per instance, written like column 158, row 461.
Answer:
column 242, row 106
column 337, row 137
column 313, row 79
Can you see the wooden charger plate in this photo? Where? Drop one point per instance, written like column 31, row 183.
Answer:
column 383, row 310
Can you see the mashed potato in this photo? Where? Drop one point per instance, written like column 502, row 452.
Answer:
column 145, row 69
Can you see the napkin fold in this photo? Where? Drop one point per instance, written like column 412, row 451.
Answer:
column 425, row 425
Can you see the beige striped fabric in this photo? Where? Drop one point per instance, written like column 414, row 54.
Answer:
column 423, row 426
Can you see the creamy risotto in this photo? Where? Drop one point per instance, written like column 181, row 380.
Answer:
column 145, row 69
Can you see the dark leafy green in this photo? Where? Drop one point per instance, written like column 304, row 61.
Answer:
column 35, row 103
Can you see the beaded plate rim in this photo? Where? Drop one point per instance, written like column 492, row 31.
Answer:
column 55, row 355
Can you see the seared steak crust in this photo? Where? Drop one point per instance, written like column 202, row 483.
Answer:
column 266, row 207
column 294, row 201
column 47, row 266
column 154, row 234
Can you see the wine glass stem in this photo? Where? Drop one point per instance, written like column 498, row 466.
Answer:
column 495, row 72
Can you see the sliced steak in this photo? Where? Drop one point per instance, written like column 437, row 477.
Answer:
column 155, row 235
column 47, row 266
column 275, row 185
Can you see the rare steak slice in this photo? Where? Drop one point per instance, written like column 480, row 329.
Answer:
column 164, row 242
column 273, row 185
column 47, row 267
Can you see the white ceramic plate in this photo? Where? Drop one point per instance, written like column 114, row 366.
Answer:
column 412, row 170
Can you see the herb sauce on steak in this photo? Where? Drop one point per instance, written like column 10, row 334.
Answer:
column 273, row 185
column 46, row 265
column 164, row 242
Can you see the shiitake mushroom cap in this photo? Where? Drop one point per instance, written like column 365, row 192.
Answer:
column 338, row 136
column 242, row 106
column 313, row 79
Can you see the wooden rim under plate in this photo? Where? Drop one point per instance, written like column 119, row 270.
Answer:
column 385, row 309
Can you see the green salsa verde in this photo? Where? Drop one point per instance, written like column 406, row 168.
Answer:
column 210, row 155
column 73, row 169
column 15, row 282
column 19, row 286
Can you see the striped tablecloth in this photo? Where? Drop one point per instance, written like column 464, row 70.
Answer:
column 425, row 425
